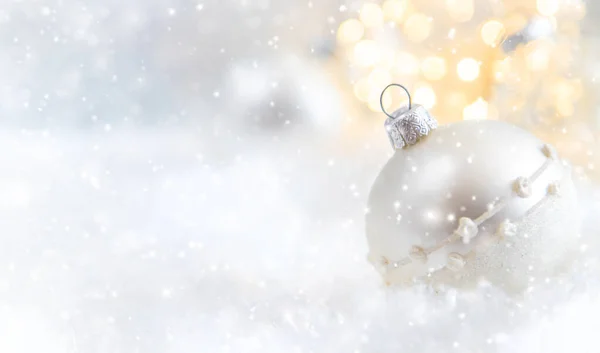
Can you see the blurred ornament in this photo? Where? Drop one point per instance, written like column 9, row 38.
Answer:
column 469, row 201
column 535, row 84
column 274, row 94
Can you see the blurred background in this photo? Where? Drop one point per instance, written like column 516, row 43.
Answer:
column 188, row 175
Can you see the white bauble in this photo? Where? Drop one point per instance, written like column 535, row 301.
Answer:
column 274, row 94
column 473, row 200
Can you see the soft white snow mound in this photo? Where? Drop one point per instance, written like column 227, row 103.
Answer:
column 140, row 242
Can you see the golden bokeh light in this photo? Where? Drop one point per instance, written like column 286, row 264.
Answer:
column 565, row 107
column 362, row 89
column 387, row 58
column 537, row 56
column 451, row 55
column 379, row 78
column 375, row 103
column 394, row 10
column 433, row 68
column 460, row 10
column 456, row 100
column 350, row 31
column 492, row 33
column 566, row 89
column 577, row 88
column 468, row 69
column 418, row 27
column 406, row 64
column 514, row 22
column 476, row 110
column 371, row 15
column 501, row 68
column 425, row 95
column 366, row 52
column 547, row 7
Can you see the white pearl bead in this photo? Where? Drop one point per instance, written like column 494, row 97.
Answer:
column 418, row 254
column 456, row 262
column 554, row 188
column 522, row 187
column 549, row 152
column 467, row 229
column 506, row 229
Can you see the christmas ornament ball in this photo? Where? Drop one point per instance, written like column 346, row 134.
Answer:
column 473, row 200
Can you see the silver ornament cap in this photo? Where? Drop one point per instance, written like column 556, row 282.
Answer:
column 408, row 125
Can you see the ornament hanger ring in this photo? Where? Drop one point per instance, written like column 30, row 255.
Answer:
column 385, row 89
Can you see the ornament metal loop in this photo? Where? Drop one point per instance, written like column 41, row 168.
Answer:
column 406, row 126
column 385, row 89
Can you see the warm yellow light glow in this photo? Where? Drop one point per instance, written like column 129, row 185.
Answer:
column 517, row 103
column 387, row 100
column 537, row 57
column 394, row 10
column 379, row 78
column 374, row 103
column 417, row 27
column 376, row 61
column 460, row 10
column 468, row 69
column 362, row 89
column 371, row 15
column 406, row 64
column 547, row 7
column 514, row 22
column 501, row 69
column 425, row 95
column 366, row 53
column 350, row 31
column 476, row 110
column 434, row 68
column 567, row 89
column 456, row 100
column 577, row 88
column 387, row 58
column 564, row 107
column 571, row 29
column 492, row 33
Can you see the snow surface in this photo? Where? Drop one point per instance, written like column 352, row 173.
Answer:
column 138, row 241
